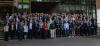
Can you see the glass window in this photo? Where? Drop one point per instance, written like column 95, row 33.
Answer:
column 19, row 6
column 6, row 0
column 25, row 6
column 20, row 1
column 32, row 0
column 39, row 0
column 45, row 0
column 24, row 1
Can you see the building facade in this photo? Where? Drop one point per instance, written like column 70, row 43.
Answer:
column 98, row 12
column 7, row 6
column 88, row 7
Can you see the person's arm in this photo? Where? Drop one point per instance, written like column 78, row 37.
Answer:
column 27, row 28
column 4, row 29
column 54, row 26
column 8, row 28
column 50, row 26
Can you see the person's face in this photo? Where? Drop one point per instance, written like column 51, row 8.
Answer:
column 48, row 22
column 16, row 22
column 21, row 22
column 12, row 23
column 24, row 13
column 52, row 22
column 12, row 14
column 30, row 21
column 25, row 24
column 6, row 24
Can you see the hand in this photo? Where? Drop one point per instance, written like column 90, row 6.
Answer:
column 46, row 28
column 18, row 31
column 3, row 31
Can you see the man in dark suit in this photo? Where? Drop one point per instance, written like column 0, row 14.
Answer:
column 12, row 30
column 95, row 28
column 16, row 30
column 20, row 31
column 30, row 30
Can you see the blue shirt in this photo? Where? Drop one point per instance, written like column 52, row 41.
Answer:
column 41, row 18
column 66, row 26
column 10, row 17
column 50, row 21
column 41, row 24
column 30, row 26
column 16, row 26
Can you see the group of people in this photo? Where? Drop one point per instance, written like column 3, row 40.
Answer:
column 41, row 25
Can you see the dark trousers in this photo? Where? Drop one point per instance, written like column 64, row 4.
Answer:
column 95, row 31
column 12, row 34
column 41, row 33
column 6, row 36
column 35, row 33
column 15, row 34
column 30, row 34
column 62, row 33
column 67, row 32
column 78, row 32
column 86, row 31
column 81, row 31
column 20, row 35
column 48, row 34
column 91, row 31
column 44, row 34
column 58, row 32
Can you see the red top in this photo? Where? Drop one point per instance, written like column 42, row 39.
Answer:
column 45, row 27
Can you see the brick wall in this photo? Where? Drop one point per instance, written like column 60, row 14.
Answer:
column 15, row 3
column 98, row 4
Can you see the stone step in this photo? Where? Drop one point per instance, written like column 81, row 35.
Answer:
column 98, row 30
column 1, row 34
column 2, row 31
column 1, row 38
column 1, row 27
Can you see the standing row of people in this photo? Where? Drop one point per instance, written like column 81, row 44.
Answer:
column 40, row 25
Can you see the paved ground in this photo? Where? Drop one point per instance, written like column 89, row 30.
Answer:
column 54, row 42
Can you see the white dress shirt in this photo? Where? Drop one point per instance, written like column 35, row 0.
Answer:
column 25, row 28
column 41, row 24
column 6, row 28
column 66, row 26
column 30, row 26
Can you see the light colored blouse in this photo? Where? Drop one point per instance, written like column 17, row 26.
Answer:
column 48, row 26
column 25, row 28
column 41, row 24
column 6, row 28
